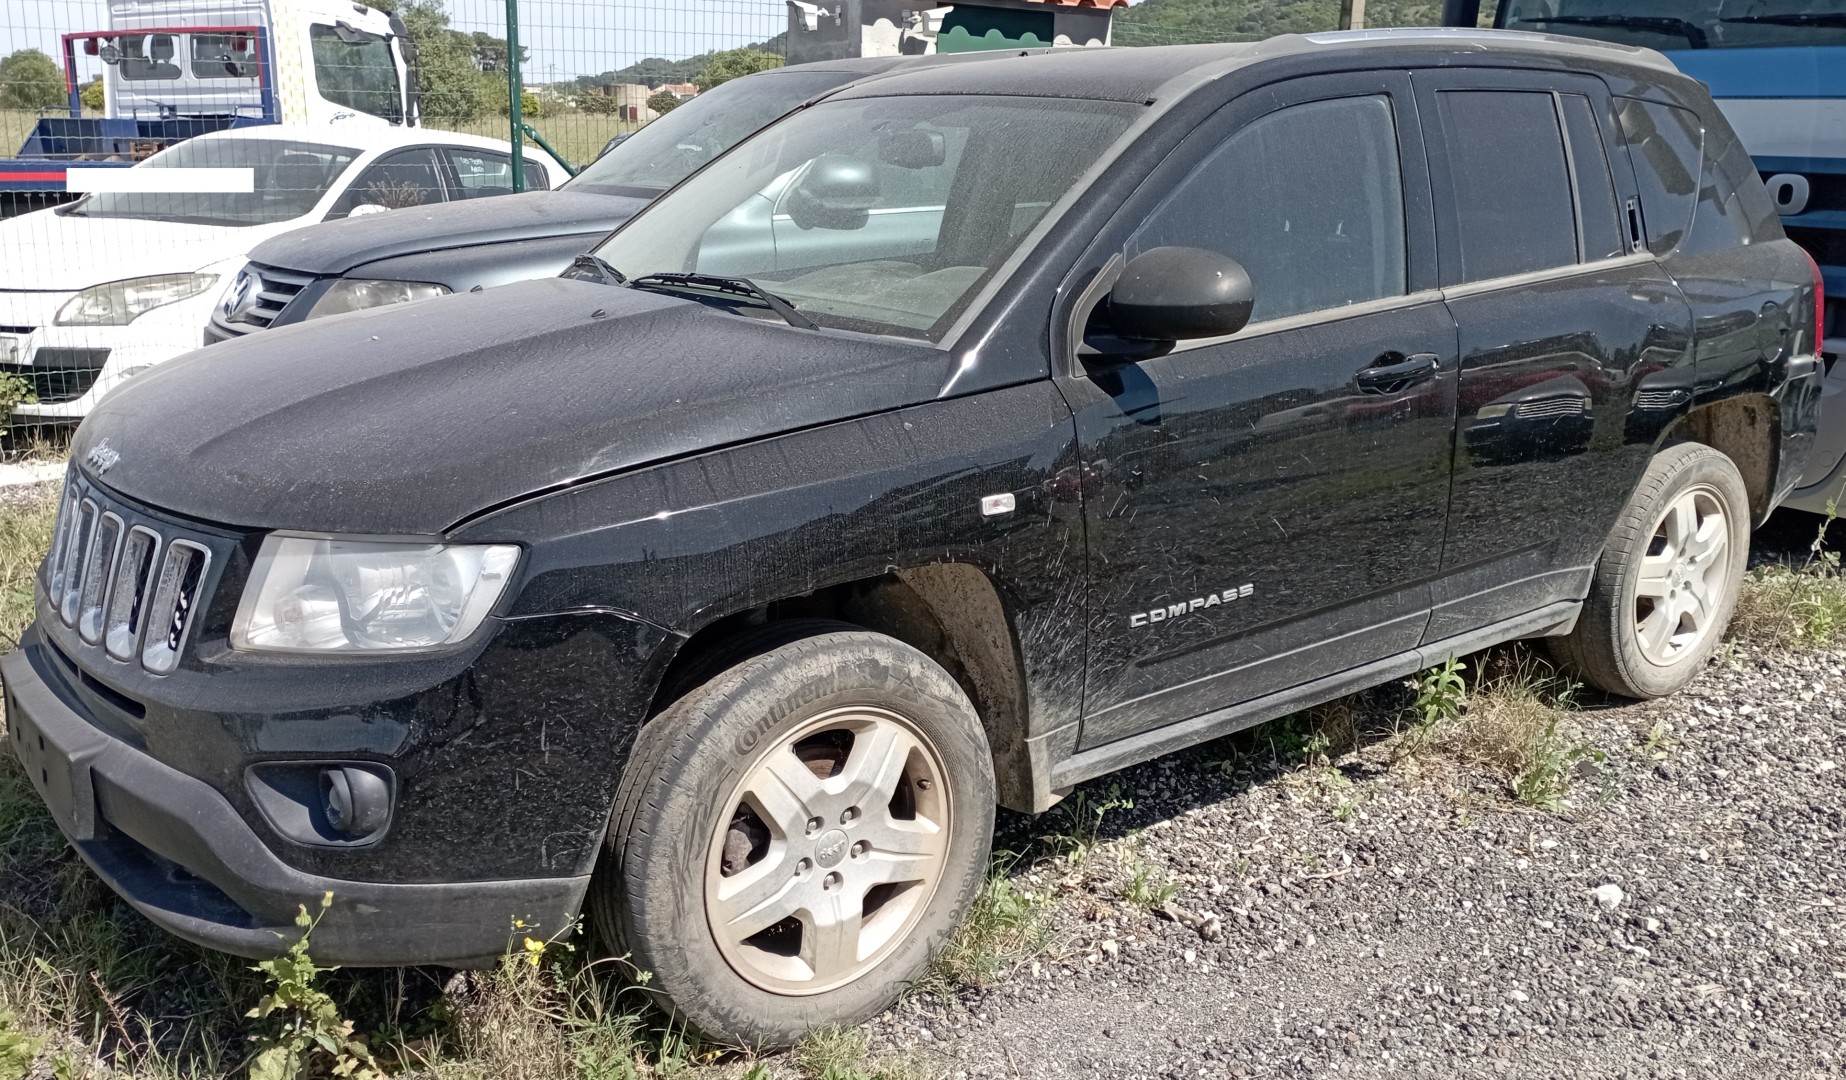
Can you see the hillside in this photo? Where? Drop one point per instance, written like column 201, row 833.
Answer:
column 1175, row 22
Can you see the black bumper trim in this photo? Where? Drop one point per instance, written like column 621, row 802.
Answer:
column 180, row 854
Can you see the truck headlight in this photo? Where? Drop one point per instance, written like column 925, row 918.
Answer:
column 310, row 594
column 118, row 303
column 357, row 294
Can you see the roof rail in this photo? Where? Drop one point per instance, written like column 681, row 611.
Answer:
column 1497, row 39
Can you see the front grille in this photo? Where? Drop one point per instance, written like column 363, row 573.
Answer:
column 256, row 299
column 1659, row 399
column 60, row 375
column 124, row 586
column 1551, row 407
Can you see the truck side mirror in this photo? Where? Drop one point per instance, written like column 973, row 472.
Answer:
column 1178, row 294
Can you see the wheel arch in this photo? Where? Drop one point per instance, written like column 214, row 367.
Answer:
column 952, row 612
column 1746, row 429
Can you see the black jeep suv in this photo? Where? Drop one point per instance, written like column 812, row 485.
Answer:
column 964, row 435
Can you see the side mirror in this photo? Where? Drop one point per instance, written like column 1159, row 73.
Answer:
column 833, row 192
column 1178, row 294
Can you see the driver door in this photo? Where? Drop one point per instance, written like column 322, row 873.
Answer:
column 1261, row 511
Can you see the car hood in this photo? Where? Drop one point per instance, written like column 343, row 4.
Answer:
column 410, row 419
column 47, row 250
column 334, row 247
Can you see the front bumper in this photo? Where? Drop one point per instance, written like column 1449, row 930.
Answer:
column 177, row 851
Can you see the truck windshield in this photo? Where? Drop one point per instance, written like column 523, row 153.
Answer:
column 884, row 215
column 356, row 70
column 290, row 179
column 668, row 150
column 1684, row 24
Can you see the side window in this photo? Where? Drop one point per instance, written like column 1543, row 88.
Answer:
column 481, row 173
column 223, row 56
column 1512, row 207
column 149, row 57
column 1308, row 198
column 406, row 178
column 1733, row 207
column 1664, row 144
column 1597, row 211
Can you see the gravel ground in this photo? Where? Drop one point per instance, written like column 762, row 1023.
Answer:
column 1683, row 915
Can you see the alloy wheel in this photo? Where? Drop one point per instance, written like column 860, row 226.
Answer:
column 1683, row 576
column 831, row 847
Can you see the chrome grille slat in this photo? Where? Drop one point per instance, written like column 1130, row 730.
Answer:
column 98, row 569
column 1540, row 409
column 124, row 586
column 128, row 592
column 172, row 613
column 274, row 291
column 77, row 556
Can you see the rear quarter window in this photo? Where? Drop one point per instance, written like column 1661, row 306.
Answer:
column 1666, row 145
column 1733, row 208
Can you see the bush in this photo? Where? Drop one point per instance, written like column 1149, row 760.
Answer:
column 92, row 95
column 30, row 80
column 596, row 103
column 530, row 106
column 731, row 63
column 663, row 102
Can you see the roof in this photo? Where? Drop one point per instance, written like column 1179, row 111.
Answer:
column 373, row 137
column 1167, row 71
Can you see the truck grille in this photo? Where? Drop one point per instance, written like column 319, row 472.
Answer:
column 256, row 299
column 124, row 585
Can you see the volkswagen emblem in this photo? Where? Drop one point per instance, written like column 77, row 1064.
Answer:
column 241, row 298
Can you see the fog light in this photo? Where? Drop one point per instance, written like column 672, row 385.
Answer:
column 357, row 802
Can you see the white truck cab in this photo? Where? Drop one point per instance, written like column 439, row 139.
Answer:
column 330, row 62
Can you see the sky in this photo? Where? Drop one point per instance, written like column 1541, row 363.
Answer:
column 564, row 38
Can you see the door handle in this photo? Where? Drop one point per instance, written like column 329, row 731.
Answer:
column 1394, row 372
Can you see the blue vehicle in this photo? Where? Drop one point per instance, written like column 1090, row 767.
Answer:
column 1777, row 69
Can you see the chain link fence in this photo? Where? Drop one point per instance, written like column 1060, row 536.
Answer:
column 141, row 158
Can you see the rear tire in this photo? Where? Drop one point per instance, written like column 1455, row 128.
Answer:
column 1667, row 581
column 797, row 836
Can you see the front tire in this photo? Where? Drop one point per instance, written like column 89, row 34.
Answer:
column 1667, row 581
column 796, row 837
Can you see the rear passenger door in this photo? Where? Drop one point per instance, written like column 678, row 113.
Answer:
column 480, row 174
column 1575, row 344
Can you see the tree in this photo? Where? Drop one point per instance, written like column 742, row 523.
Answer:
column 30, row 80
column 92, row 95
column 662, row 102
column 731, row 63
column 454, row 89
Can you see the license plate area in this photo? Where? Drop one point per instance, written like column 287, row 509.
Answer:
column 60, row 779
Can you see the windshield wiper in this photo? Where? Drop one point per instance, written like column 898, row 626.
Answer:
column 597, row 266
column 736, row 286
column 1664, row 24
column 1831, row 19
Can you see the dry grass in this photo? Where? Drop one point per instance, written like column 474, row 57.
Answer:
column 26, row 520
column 1793, row 606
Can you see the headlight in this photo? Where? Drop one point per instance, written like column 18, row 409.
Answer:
column 316, row 594
column 119, row 303
column 358, row 294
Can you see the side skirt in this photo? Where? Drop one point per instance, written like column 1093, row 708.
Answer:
column 1551, row 620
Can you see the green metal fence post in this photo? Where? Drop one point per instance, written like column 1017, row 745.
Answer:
column 515, row 91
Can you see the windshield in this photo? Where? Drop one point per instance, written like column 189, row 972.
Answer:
column 881, row 214
column 668, row 150
column 1684, row 24
column 356, row 70
column 290, row 178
